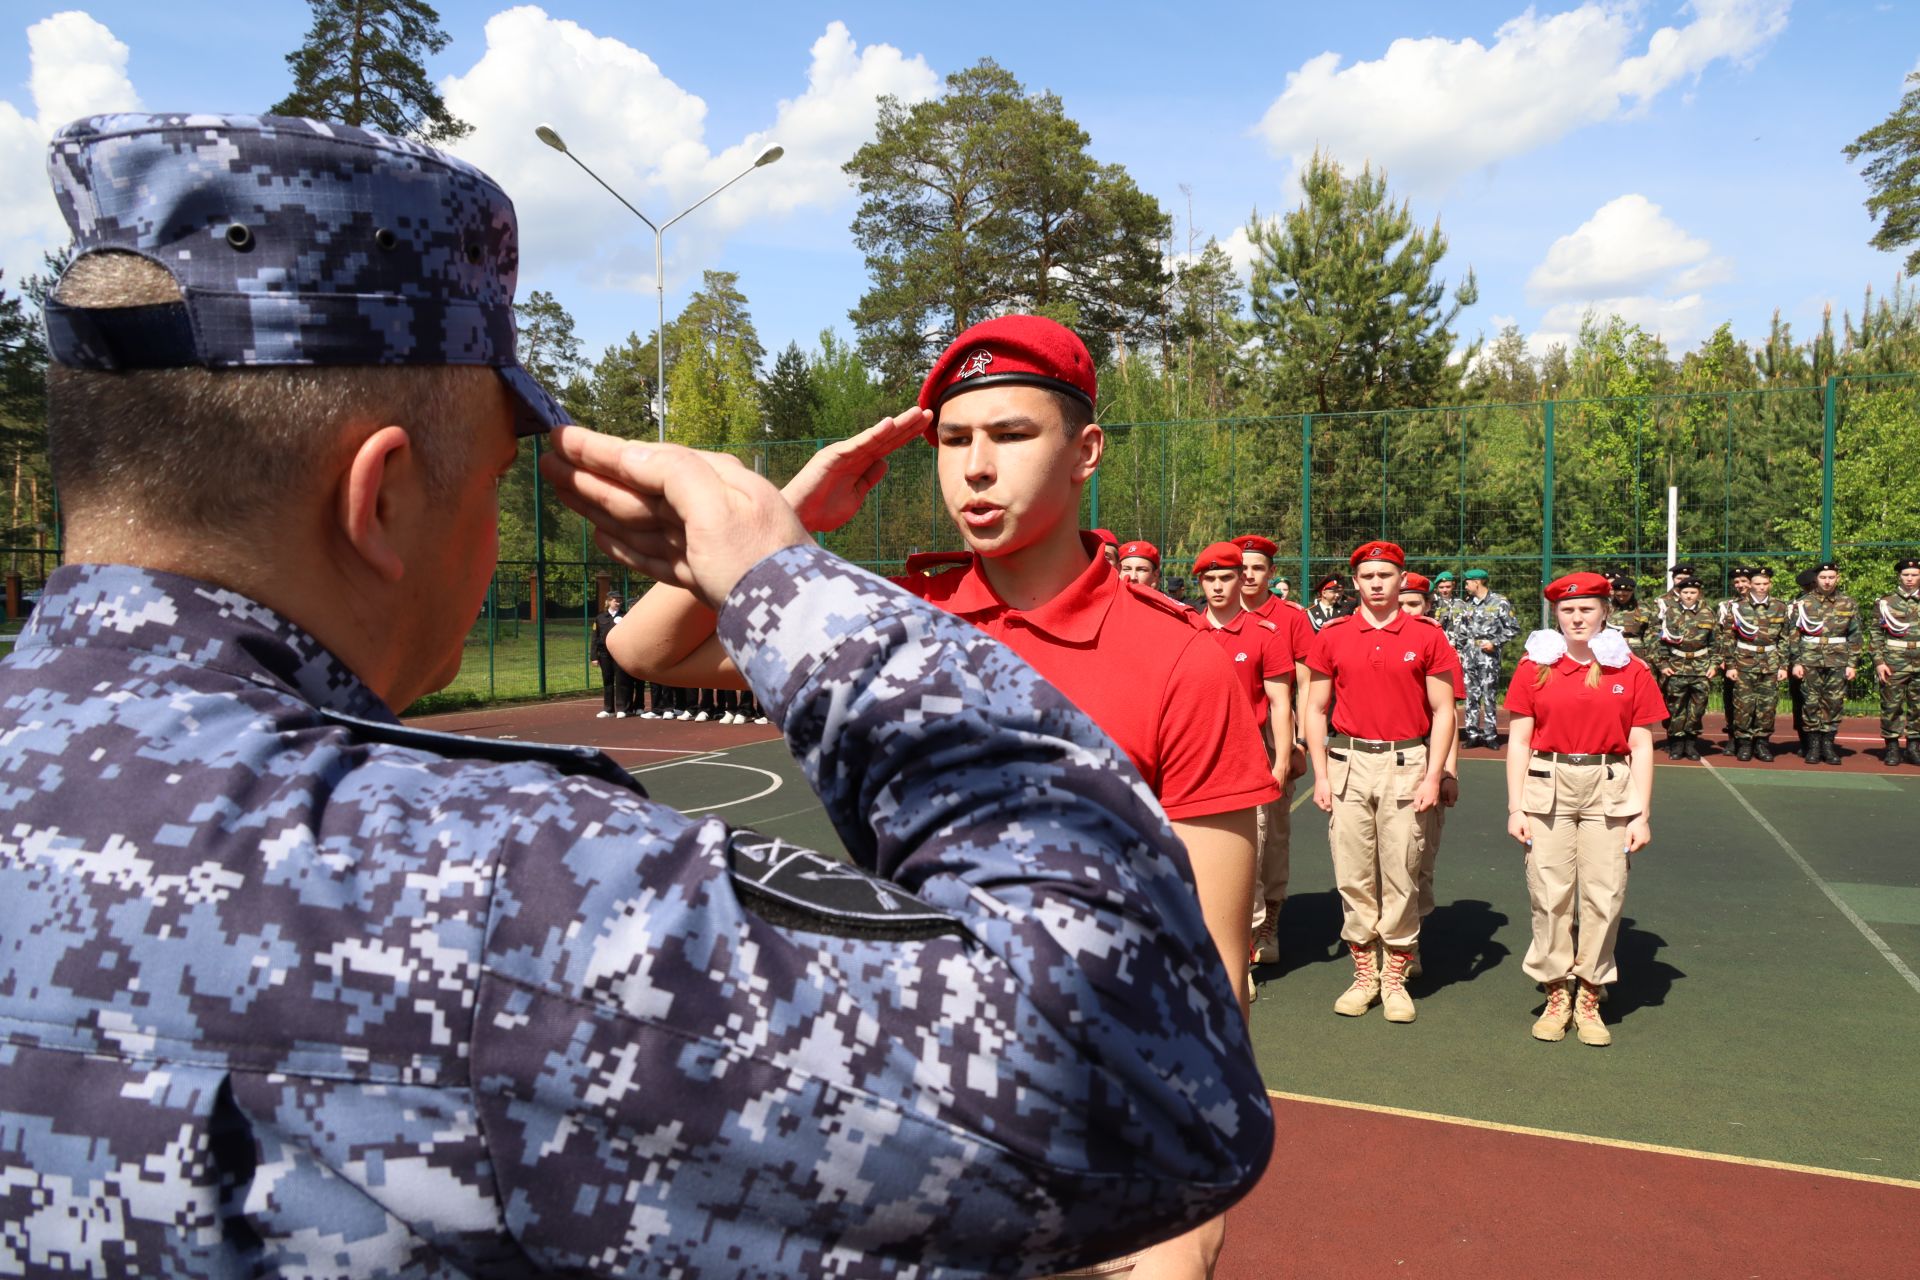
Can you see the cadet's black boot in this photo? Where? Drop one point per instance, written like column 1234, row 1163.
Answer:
column 1743, row 749
column 1692, row 748
column 1829, row 749
column 1810, row 747
column 1763, row 750
column 1913, row 750
column 1676, row 748
column 1891, row 756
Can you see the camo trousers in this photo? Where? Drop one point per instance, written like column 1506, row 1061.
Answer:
column 1900, row 703
column 1824, row 694
column 1756, row 697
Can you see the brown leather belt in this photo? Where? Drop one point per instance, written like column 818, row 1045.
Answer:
column 1374, row 746
column 1580, row 757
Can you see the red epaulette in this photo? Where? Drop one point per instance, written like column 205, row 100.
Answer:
column 932, row 562
column 1263, row 622
column 1161, row 601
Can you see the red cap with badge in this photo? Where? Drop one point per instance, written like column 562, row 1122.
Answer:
column 1386, row 551
column 1579, row 586
column 1021, row 350
column 1221, row 555
column 1254, row 542
column 1417, row 582
column 1140, row 551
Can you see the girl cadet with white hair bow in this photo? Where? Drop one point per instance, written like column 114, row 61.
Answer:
column 1579, row 790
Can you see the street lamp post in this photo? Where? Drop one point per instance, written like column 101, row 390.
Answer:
column 547, row 135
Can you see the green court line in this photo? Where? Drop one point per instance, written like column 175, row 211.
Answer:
column 1853, row 917
column 1883, row 903
column 1808, row 781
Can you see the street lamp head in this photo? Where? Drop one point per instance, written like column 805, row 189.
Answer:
column 767, row 157
column 547, row 135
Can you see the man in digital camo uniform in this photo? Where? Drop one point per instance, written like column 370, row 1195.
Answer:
column 1893, row 639
column 290, row 988
column 1483, row 624
column 1822, row 649
column 1682, row 654
column 1751, row 646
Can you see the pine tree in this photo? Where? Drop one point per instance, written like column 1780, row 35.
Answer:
column 361, row 64
column 1893, row 174
column 623, row 389
column 789, row 396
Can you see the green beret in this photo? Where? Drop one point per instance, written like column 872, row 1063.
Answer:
column 1445, row 575
column 1475, row 575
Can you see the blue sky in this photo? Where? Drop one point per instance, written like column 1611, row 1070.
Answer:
column 1679, row 164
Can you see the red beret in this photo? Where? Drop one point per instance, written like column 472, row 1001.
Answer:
column 1024, row 350
column 1377, row 551
column 1107, row 536
column 1221, row 555
column 1579, row 586
column 1140, row 551
column 1417, row 582
column 1254, row 542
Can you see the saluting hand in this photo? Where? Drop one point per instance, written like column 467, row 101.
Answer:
column 696, row 520
column 828, row 491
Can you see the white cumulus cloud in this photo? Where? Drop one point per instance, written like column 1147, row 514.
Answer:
column 1627, row 244
column 1433, row 110
column 646, row 136
column 78, row 69
column 1629, row 259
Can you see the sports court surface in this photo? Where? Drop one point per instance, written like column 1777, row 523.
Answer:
column 1758, row 1114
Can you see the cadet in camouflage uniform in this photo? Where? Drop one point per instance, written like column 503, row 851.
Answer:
column 1893, row 640
column 1483, row 623
column 1751, row 648
column 290, row 988
column 1446, row 606
column 1636, row 621
column 1823, row 648
column 1740, row 576
column 1681, row 652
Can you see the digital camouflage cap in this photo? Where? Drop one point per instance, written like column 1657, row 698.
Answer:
column 294, row 243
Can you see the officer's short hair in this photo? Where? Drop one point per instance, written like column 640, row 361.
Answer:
column 211, row 449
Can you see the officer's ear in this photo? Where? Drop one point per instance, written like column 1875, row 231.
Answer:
column 371, row 502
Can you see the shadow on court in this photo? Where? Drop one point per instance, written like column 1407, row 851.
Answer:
column 1645, row 979
column 1458, row 944
column 1309, row 932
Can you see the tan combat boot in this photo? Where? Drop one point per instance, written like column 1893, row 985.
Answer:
column 1393, row 986
column 1553, row 1020
column 1586, row 1016
column 1415, row 970
column 1359, row 997
column 1266, row 943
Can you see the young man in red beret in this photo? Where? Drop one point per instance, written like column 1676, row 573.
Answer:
column 1276, row 819
column 1380, row 770
column 1264, row 660
column 1009, row 409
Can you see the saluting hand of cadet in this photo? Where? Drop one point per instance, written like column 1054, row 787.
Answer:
column 697, row 520
column 828, row 491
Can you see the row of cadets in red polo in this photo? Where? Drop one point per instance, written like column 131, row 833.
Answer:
column 1377, row 769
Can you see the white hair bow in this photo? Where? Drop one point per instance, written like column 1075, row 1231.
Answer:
column 1546, row 647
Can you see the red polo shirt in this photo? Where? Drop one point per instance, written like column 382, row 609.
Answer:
column 1135, row 664
column 1380, row 674
column 1293, row 620
column 1568, row 716
column 1258, row 651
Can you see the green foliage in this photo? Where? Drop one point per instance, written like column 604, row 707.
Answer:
column 713, row 368
column 1347, row 309
column 846, row 397
column 623, row 386
column 29, row 503
column 984, row 201
column 789, row 396
column 361, row 64
column 1892, row 172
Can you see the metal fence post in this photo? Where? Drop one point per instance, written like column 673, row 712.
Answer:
column 1826, row 466
column 493, row 622
column 1306, row 502
column 539, row 574
column 1546, row 506
column 1093, row 492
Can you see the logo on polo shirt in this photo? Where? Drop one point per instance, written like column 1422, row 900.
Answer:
column 976, row 363
column 1239, row 657
column 1407, row 656
column 1619, row 688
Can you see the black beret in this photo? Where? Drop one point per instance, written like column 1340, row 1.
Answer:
column 1908, row 563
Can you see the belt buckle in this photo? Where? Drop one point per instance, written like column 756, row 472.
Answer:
column 1576, row 757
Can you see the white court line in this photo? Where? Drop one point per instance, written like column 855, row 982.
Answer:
column 767, row 790
column 1866, row 930
column 674, row 764
column 658, row 751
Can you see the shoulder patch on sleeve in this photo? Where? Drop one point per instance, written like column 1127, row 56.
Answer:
column 1163, row 603
column 1268, row 625
column 796, row 888
column 571, row 760
column 929, row 562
